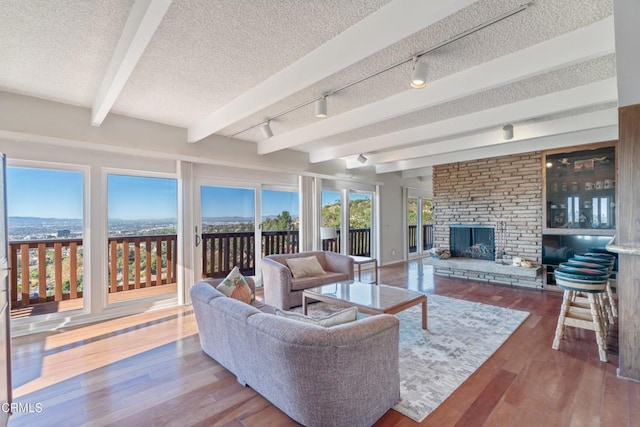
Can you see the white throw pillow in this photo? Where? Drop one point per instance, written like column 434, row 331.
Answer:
column 345, row 316
column 305, row 267
column 236, row 287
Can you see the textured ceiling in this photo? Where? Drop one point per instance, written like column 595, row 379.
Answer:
column 205, row 54
column 542, row 21
column 58, row 50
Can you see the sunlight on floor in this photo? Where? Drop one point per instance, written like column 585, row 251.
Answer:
column 69, row 353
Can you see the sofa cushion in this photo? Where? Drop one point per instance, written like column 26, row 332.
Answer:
column 332, row 277
column 236, row 287
column 344, row 316
column 305, row 267
column 306, row 283
column 263, row 307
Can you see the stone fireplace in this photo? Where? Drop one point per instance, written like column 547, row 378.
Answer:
column 472, row 241
column 498, row 195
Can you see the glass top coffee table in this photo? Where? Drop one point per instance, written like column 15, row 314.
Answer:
column 369, row 298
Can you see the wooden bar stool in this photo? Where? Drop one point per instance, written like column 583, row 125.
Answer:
column 606, row 303
column 608, row 260
column 578, row 314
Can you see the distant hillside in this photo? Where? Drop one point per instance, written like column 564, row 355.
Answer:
column 232, row 219
column 31, row 220
column 227, row 219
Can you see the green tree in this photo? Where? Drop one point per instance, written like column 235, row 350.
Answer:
column 412, row 211
column 283, row 221
column 360, row 213
column 331, row 214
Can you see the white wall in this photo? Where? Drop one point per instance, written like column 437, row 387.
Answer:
column 392, row 231
column 24, row 118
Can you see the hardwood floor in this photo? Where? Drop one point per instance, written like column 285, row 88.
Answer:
column 148, row 369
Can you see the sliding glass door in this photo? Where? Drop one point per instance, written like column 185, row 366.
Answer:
column 330, row 220
column 412, row 224
column 360, row 223
column 227, row 233
column 419, row 225
column 280, row 225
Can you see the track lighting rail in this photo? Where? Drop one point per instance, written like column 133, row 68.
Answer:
column 415, row 56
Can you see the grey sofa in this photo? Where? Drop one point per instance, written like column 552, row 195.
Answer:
column 346, row 375
column 283, row 291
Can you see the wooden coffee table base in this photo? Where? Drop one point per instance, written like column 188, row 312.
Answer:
column 392, row 301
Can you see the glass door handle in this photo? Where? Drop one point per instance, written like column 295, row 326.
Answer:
column 198, row 237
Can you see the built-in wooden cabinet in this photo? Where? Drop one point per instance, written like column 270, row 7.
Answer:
column 579, row 202
column 579, row 190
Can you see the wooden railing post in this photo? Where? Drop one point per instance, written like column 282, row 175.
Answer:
column 14, row 273
column 158, row 261
column 147, row 262
column 57, row 248
column 125, row 264
column 42, row 273
column 113, row 245
column 73, row 266
column 137, row 262
column 25, row 279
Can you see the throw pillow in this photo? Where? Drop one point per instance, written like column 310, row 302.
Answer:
column 345, row 316
column 236, row 287
column 305, row 267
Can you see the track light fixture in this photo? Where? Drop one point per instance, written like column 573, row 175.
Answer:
column 321, row 107
column 419, row 75
column 507, row 132
column 266, row 130
column 362, row 159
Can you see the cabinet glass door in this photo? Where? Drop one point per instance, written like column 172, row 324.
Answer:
column 580, row 189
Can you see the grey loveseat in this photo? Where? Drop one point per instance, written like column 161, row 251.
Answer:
column 283, row 291
column 346, row 375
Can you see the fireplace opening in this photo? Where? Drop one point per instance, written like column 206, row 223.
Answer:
column 472, row 241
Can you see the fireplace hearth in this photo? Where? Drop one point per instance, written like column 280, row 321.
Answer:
column 472, row 241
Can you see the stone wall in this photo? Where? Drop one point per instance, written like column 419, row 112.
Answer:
column 505, row 192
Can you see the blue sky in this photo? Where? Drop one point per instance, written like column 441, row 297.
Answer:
column 229, row 201
column 58, row 194
column 44, row 193
column 141, row 197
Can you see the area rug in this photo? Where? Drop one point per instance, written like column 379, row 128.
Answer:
column 433, row 363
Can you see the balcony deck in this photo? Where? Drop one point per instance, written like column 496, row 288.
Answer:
column 76, row 304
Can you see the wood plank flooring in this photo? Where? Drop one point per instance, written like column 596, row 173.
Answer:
column 148, row 370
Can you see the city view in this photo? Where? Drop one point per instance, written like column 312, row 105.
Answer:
column 36, row 228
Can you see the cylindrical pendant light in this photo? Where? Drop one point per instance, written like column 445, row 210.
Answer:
column 321, row 107
column 266, row 130
column 419, row 75
column 507, row 132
